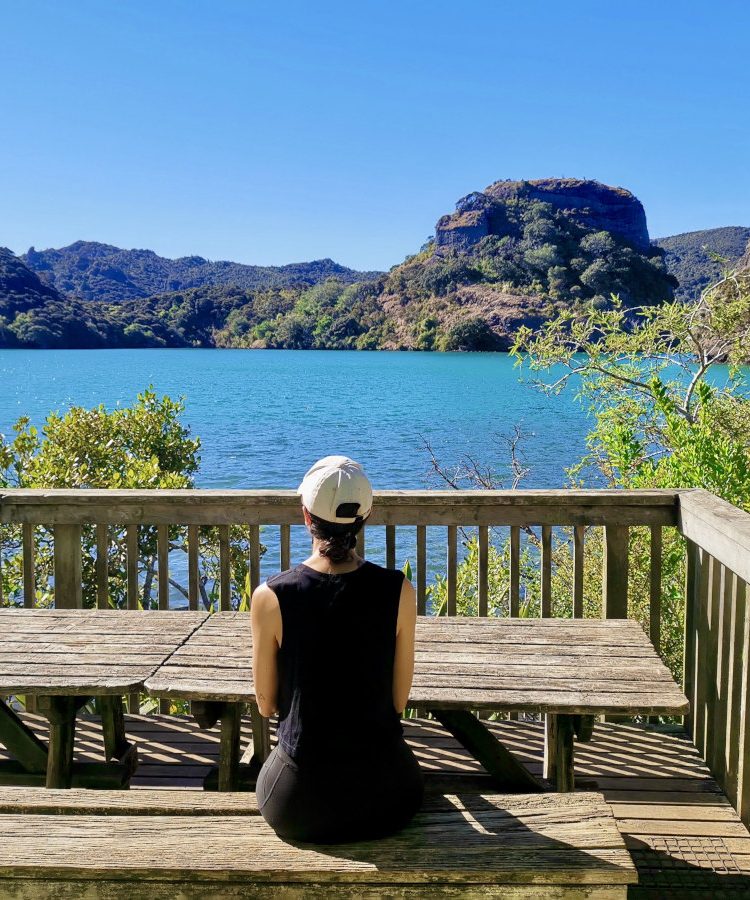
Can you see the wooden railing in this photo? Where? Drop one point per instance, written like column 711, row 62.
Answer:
column 64, row 513
column 717, row 639
column 717, row 612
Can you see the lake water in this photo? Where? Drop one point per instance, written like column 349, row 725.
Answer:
column 264, row 416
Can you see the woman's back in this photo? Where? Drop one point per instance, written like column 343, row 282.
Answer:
column 336, row 660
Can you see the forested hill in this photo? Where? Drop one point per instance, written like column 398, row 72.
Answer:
column 507, row 256
column 93, row 271
column 691, row 257
column 33, row 314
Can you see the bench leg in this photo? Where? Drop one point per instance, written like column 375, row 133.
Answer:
column 261, row 734
column 507, row 773
column 20, row 740
column 558, row 751
column 229, row 747
column 61, row 712
column 113, row 727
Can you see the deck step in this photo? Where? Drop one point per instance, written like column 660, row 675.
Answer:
column 163, row 844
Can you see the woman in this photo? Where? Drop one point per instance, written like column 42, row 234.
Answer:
column 333, row 654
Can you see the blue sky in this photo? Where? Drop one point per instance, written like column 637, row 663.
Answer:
column 285, row 131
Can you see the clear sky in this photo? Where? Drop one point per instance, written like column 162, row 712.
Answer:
column 274, row 132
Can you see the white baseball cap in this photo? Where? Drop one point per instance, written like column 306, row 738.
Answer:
column 336, row 489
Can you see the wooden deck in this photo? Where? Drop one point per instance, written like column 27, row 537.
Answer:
column 682, row 833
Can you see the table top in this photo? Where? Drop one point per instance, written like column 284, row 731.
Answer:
column 586, row 666
column 87, row 652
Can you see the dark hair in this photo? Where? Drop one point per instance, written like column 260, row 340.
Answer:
column 336, row 540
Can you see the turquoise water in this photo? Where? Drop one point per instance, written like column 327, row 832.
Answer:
column 264, row 416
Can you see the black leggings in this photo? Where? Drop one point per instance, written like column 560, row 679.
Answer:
column 342, row 799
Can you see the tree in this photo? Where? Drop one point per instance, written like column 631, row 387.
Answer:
column 664, row 416
column 671, row 409
column 140, row 446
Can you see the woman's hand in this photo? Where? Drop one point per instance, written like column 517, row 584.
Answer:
column 265, row 622
column 403, row 664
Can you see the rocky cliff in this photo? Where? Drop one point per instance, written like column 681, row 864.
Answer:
column 594, row 206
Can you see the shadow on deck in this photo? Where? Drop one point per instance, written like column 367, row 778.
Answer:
column 683, row 835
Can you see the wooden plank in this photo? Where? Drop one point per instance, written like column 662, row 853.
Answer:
column 229, row 748
column 693, row 562
column 113, row 727
column 483, row 546
column 515, row 507
column 162, row 562
column 61, row 712
column 131, row 568
column 579, row 532
column 702, row 626
column 225, row 578
column 739, row 638
column 141, row 802
column 655, row 567
column 421, row 570
column 506, row 772
column 715, row 730
column 743, row 727
column 486, row 844
column 615, row 576
column 261, row 726
column 390, row 546
column 284, row 546
column 254, row 556
column 131, row 565
column 29, row 579
column 19, row 740
column 558, row 752
column 723, row 677
column 101, row 566
column 67, row 562
column 546, row 572
column 193, row 571
column 515, row 569
column 718, row 527
column 451, row 575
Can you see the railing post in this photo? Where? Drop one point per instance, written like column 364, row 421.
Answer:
column 743, row 729
column 692, row 581
column 68, row 566
column 615, row 575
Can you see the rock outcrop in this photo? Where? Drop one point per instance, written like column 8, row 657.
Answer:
column 594, row 205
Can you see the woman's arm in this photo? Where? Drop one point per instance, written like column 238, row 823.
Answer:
column 265, row 622
column 403, row 665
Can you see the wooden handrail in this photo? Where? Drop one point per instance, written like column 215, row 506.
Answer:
column 717, row 527
column 277, row 507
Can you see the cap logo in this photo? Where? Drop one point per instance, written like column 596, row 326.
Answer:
column 347, row 510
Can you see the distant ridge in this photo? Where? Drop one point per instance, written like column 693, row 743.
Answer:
column 511, row 255
column 688, row 256
column 93, row 271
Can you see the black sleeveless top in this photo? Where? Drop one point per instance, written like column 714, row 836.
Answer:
column 336, row 660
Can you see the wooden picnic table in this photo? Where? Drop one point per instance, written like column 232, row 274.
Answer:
column 572, row 670
column 64, row 658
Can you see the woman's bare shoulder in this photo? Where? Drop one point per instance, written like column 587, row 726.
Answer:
column 264, row 600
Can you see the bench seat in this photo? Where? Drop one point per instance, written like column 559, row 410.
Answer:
column 186, row 844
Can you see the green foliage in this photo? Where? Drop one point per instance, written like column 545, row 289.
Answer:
column 140, row 446
column 660, row 419
column 93, row 271
column 699, row 258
